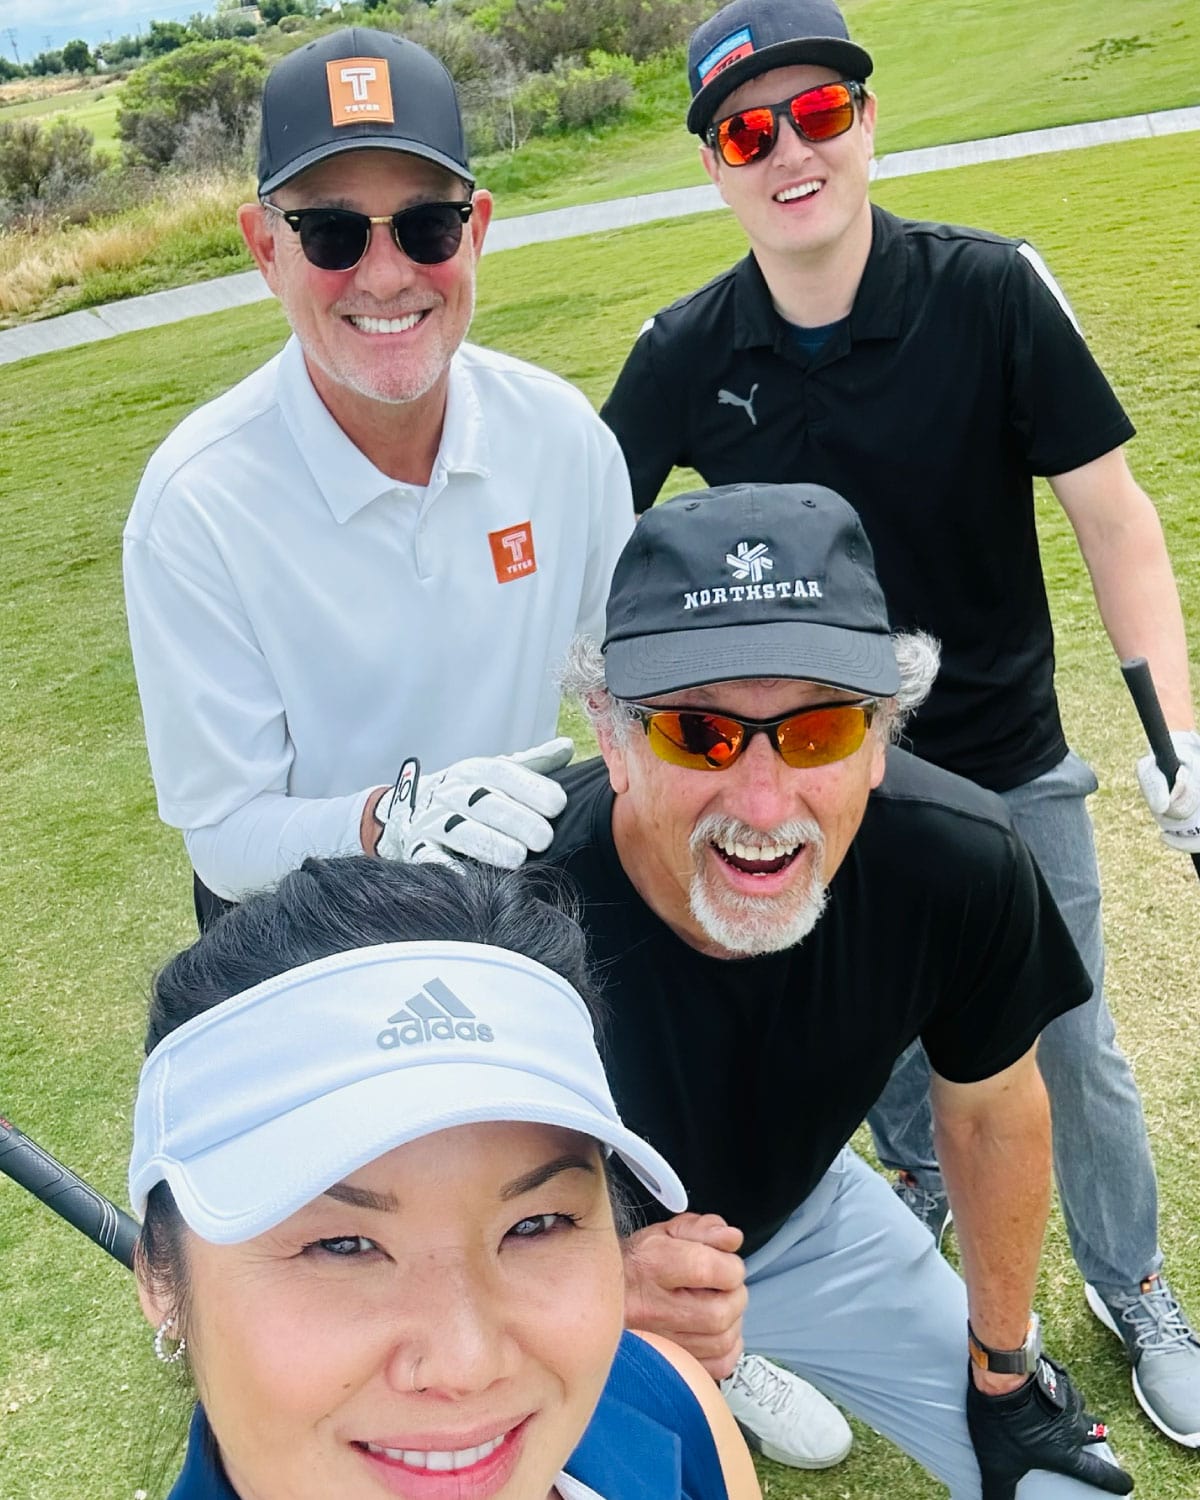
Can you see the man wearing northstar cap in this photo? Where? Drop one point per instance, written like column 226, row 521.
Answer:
column 379, row 515
column 779, row 905
column 927, row 372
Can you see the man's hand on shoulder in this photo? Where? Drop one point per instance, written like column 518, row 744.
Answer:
column 496, row 809
column 685, row 1281
column 1040, row 1425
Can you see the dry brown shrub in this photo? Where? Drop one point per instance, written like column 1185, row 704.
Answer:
column 26, row 90
column 37, row 262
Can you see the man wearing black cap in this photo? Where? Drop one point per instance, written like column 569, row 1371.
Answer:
column 378, row 517
column 778, row 905
column 928, row 372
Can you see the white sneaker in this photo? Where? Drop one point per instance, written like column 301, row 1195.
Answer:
column 783, row 1417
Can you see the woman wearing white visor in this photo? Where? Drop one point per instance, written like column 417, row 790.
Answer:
column 370, row 1150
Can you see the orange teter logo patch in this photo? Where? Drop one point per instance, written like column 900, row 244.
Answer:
column 512, row 551
column 359, row 89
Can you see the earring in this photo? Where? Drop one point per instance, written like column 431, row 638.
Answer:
column 160, row 1344
column 417, row 1389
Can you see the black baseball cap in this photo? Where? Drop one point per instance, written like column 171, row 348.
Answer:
column 750, row 37
column 748, row 580
column 353, row 89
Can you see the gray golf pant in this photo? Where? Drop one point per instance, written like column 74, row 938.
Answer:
column 1102, row 1161
column 852, row 1295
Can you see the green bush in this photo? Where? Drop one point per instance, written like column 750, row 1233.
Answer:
column 586, row 95
column 44, row 162
column 46, row 63
column 224, row 78
column 164, row 37
column 539, row 32
column 77, row 57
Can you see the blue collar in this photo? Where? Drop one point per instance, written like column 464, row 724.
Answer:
column 624, row 1454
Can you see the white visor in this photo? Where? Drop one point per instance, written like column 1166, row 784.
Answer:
column 256, row 1107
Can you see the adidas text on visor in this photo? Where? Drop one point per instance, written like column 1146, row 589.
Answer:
column 256, row 1107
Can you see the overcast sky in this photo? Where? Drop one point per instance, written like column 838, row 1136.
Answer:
column 41, row 25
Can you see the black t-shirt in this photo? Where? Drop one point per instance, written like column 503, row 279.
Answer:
column 957, row 377
column 750, row 1075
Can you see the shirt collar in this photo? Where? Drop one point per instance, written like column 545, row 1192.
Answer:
column 201, row 1477
column 346, row 477
column 645, row 1465
column 878, row 303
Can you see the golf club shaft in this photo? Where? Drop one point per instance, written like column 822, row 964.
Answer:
column 1138, row 680
column 59, row 1188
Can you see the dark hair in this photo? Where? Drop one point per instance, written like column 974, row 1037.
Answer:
column 328, row 906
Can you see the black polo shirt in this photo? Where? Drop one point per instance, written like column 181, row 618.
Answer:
column 750, row 1075
column 958, row 375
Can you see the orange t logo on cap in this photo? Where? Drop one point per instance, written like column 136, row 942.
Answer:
column 512, row 551
column 359, row 89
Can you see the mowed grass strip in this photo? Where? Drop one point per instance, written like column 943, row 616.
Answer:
column 95, row 891
column 94, row 107
column 944, row 72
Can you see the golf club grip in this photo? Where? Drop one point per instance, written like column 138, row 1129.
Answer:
column 1137, row 677
column 69, row 1196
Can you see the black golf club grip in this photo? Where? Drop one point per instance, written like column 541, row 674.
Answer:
column 59, row 1188
column 1137, row 677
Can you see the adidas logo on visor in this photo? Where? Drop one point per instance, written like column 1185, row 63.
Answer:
column 434, row 1014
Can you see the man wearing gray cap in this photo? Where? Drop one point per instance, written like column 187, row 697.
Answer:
column 778, row 906
column 928, row 372
column 379, row 517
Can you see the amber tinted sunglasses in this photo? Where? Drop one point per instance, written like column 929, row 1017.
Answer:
column 704, row 741
column 817, row 114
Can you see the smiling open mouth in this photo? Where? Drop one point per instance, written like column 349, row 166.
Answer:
column 443, row 1461
column 756, row 859
column 385, row 325
column 802, row 190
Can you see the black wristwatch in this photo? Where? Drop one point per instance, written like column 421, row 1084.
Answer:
column 1022, row 1361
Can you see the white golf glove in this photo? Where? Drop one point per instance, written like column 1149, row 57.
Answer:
column 495, row 809
column 1176, row 808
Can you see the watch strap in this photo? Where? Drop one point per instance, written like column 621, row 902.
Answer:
column 1019, row 1361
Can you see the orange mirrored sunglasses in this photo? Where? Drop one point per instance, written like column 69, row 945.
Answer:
column 817, row 114
column 703, row 741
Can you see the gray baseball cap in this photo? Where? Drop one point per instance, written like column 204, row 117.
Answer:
column 748, row 580
column 749, row 37
column 357, row 89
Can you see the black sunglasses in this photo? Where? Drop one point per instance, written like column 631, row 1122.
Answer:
column 336, row 239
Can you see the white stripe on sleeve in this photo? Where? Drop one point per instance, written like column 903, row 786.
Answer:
column 1043, row 271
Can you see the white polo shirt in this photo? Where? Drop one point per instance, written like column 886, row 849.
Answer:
column 301, row 622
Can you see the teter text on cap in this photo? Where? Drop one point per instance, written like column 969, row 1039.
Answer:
column 358, row 89
column 748, row 580
column 749, row 37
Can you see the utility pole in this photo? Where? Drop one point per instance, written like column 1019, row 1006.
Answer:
column 12, row 42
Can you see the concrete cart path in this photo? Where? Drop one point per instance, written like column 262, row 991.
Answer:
column 157, row 308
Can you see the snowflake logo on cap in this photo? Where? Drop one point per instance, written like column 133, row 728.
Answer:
column 751, row 561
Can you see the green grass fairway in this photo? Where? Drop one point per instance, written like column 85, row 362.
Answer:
column 1036, row 66
column 944, row 71
column 94, row 108
column 95, row 892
